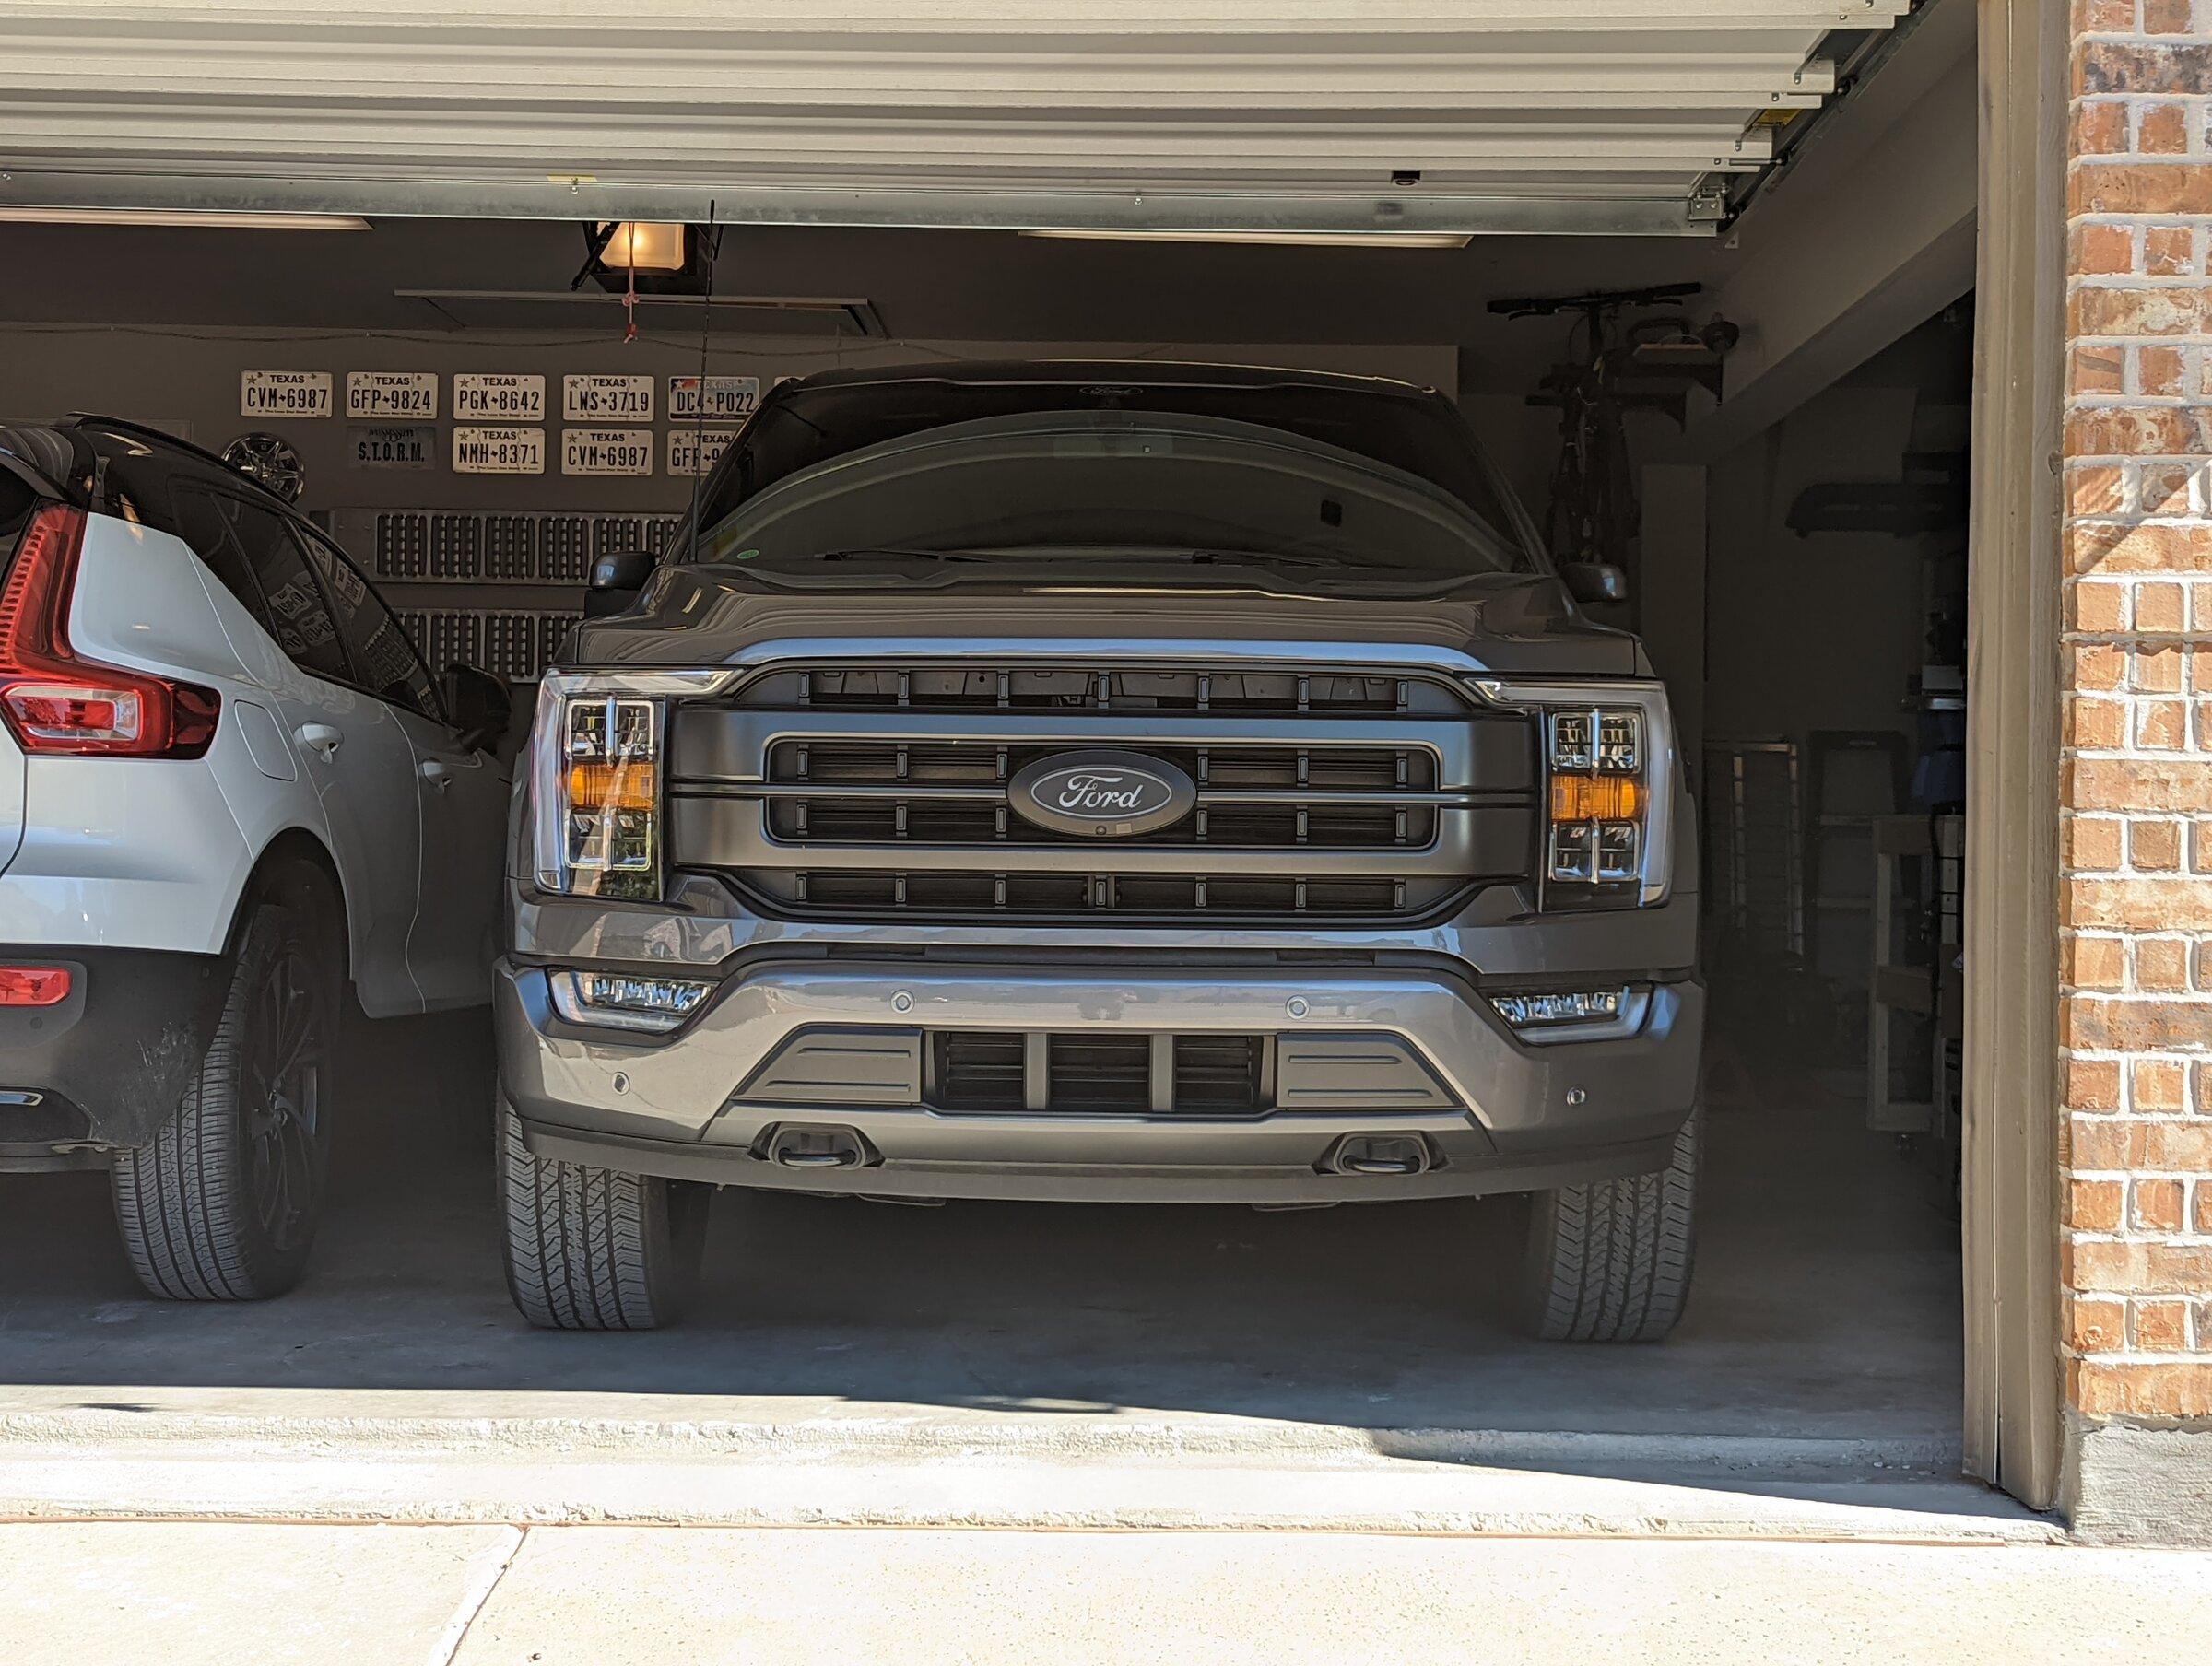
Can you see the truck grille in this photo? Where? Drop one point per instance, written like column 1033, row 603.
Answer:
column 882, row 792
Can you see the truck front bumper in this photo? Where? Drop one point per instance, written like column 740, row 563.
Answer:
column 1482, row 1110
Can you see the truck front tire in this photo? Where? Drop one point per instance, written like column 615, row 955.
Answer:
column 1610, row 1260
column 589, row 1249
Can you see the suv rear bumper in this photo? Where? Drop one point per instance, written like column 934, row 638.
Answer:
column 106, row 1067
column 1497, row 1114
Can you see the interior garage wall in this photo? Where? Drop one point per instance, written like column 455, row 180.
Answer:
column 187, row 380
column 1770, row 670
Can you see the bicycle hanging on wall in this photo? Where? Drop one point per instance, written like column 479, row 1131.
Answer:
column 1591, row 513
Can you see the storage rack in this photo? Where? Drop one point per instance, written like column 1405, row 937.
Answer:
column 1919, row 872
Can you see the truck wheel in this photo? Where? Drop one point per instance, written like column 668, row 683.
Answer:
column 1610, row 1261
column 589, row 1249
column 223, row 1204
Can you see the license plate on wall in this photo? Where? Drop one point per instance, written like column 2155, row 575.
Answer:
column 497, row 396
column 697, row 450
column 591, row 398
column 284, row 392
column 499, row 451
column 715, row 398
column 606, row 450
column 373, row 395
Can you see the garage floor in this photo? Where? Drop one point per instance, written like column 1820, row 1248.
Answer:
column 1826, row 1307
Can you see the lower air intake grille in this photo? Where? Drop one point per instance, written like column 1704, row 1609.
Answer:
column 1101, row 1074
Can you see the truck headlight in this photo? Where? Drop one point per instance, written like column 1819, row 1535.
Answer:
column 1608, row 754
column 595, row 786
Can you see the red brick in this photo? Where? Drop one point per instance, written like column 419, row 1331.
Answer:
column 2162, row 130
column 2091, row 843
column 2100, row 129
column 2103, row 1143
column 2161, row 607
column 2181, row 1147
column 2088, row 1021
column 2096, row 1324
column 2104, row 16
column 2202, row 1212
column 2102, row 250
column 2169, row 251
column 2139, row 905
column 2159, row 376
column 2155, row 1206
column 2163, row 726
column 2100, row 609
column 2097, row 665
column 2092, row 1084
column 2155, row 1085
column 2116, row 66
column 2138, row 432
column 2176, row 1390
column 2140, row 188
column 2094, row 1206
column 2123, row 309
column 2097, row 370
column 2161, row 484
column 2134, row 1268
column 2098, row 488
column 2156, row 668
column 2166, row 16
column 2162, row 968
column 2095, row 963
column 2097, row 725
column 2162, row 1327
column 2171, row 786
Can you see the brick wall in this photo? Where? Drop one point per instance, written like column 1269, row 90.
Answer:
column 2136, row 1134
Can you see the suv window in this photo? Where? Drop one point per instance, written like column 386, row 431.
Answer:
column 202, row 523
column 383, row 658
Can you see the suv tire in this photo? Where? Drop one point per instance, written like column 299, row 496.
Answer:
column 589, row 1249
column 223, row 1204
column 1610, row 1260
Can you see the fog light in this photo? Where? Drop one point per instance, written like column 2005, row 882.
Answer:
column 622, row 1002
column 1536, row 1011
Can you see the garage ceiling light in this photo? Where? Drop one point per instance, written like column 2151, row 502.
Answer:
column 645, row 246
column 183, row 216
column 1306, row 239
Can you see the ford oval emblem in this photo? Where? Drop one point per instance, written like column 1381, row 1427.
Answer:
column 1101, row 794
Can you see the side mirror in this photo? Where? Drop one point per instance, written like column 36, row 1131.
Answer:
column 1594, row 580
column 615, row 581
column 478, row 704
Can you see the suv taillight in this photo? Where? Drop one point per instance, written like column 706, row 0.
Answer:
column 58, row 704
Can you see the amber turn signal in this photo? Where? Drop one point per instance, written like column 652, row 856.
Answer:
column 594, row 788
column 1578, row 798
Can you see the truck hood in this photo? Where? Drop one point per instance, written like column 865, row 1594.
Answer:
column 1518, row 623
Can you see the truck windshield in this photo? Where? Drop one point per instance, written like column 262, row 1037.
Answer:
column 1091, row 484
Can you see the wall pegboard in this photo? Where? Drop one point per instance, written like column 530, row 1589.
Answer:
column 484, row 546
column 515, row 645
column 496, row 588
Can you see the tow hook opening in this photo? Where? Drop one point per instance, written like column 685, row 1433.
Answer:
column 802, row 1146
column 1381, row 1154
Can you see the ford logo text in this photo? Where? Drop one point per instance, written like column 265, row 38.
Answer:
column 1101, row 794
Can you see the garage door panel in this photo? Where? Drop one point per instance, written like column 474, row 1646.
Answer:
column 487, row 106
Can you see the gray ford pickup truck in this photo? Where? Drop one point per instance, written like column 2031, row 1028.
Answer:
column 1101, row 782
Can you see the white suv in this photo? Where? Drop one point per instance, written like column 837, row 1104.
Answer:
column 228, row 788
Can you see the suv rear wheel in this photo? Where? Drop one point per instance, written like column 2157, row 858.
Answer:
column 589, row 1249
column 223, row 1204
column 1610, row 1260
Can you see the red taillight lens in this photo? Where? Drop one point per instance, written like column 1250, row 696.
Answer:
column 54, row 703
column 33, row 985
